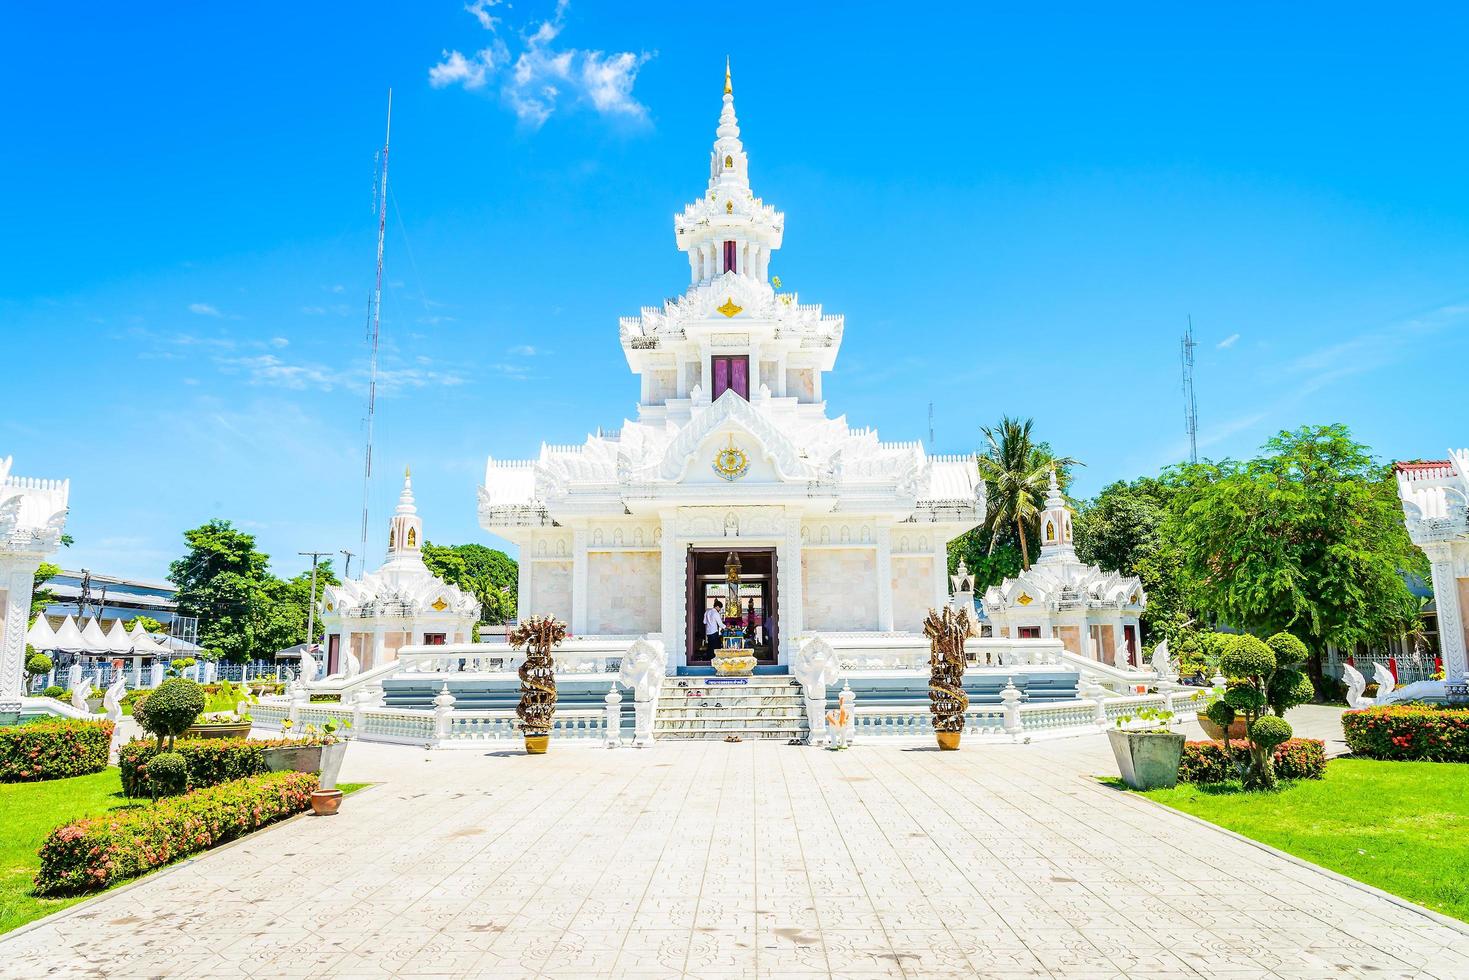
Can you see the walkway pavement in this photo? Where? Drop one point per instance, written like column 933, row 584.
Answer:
column 750, row 859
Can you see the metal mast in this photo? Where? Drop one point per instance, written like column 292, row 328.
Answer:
column 1190, row 403
column 374, row 325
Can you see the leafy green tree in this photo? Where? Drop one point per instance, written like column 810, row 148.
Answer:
column 41, row 597
column 149, row 624
column 244, row 611
column 1308, row 539
column 1016, row 473
column 489, row 575
column 1122, row 530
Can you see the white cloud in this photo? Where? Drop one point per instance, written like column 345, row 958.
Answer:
column 523, row 350
column 204, row 309
column 279, row 342
column 1227, row 342
column 544, row 77
column 267, row 369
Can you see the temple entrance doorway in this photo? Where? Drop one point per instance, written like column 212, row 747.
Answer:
column 759, row 606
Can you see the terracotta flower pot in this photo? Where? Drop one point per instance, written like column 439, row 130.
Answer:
column 326, row 802
column 1236, row 730
column 536, row 744
column 948, row 741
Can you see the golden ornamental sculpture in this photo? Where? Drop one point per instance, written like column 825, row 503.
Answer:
column 439, row 605
column 731, row 462
column 1024, row 599
column 729, row 308
column 946, row 630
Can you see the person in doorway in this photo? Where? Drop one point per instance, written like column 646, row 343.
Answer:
column 713, row 623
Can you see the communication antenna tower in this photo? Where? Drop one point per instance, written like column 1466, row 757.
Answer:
column 1190, row 403
column 930, row 426
column 375, row 309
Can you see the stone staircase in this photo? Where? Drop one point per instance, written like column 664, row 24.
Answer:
column 763, row 706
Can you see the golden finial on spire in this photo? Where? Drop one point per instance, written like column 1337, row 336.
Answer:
column 407, row 472
column 728, row 88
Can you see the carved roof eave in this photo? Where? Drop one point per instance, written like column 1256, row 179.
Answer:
column 1045, row 586
column 730, row 408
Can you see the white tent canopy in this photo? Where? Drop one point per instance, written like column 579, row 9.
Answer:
column 69, row 638
column 41, row 635
column 118, row 640
column 146, row 646
column 94, row 638
column 137, row 631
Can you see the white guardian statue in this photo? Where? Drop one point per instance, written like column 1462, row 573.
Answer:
column 112, row 698
column 80, row 691
column 643, row 666
column 308, row 665
column 1356, row 684
column 817, row 668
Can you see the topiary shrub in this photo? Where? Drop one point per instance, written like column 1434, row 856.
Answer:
column 1262, row 678
column 90, row 854
column 38, row 664
column 168, row 774
column 170, row 710
column 53, row 749
column 54, row 691
column 1409, row 731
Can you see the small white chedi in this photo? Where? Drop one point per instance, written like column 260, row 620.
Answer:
column 32, row 518
column 732, row 449
column 400, row 604
column 1094, row 613
column 1435, row 496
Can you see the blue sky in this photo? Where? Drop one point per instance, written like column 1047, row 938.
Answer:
column 1015, row 207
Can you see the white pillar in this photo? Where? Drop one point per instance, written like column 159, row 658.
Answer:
column 578, row 581
column 940, row 572
column 885, row 579
column 16, row 578
column 379, row 647
column 523, row 585
column 790, row 604
column 1450, row 615
column 673, row 598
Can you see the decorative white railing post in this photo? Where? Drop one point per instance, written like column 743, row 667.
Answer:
column 300, row 698
column 443, row 708
column 1166, row 689
column 614, row 716
column 1011, row 697
column 155, row 674
column 1094, row 691
column 361, row 701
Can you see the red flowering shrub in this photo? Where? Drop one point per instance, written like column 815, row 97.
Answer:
column 211, row 761
column 1206, row 762
column 53, row 749
column 90, row 854
column 1409, row 731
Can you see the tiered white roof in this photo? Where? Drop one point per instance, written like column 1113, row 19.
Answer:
column 403, row 589
column 799, row 454
column 32, row 512
column 1059, row 581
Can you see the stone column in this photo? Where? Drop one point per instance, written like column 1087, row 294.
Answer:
column 379, row 647
column 883, row 535
column 672, row 598
column 15, row 578
column 940, row 573
column 790, row 604
column 525, row 582
column 578, row 581
column 1450, row 615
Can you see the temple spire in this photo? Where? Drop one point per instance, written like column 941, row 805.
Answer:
column 1055, row 522
column 728, row 88
column 405, row 528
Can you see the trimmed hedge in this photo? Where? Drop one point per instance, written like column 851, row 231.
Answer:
column 1296, row 758
column 1409, row 732
column 211, row 761
column 53, row 749
column 91, row 854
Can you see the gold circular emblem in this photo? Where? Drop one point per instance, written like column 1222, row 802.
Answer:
column 731, row 463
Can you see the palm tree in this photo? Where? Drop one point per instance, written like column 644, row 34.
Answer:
column 1016, row 476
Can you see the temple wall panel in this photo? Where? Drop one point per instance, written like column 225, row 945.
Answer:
column 912, row 592
column 839, row 586
column 551, row 590
column 623, row 593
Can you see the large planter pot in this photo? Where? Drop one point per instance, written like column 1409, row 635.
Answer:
column 948, row 741
column 1147, row 760
column 331, row 765
column 242, row 730
column 1237, row 728
column 326, row 802
column 293, row 758
column 536, row 744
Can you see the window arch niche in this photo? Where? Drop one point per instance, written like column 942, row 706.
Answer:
column 412, row 537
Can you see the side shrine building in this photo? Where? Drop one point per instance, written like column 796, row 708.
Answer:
column 733, row 459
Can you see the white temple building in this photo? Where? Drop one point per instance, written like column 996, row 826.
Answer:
column 1435, row 498
column 1092, row 612
column 32, row 518
column 400, row 604
column 732, row 451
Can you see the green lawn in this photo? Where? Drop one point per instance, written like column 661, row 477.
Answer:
column 30, row 811
column 1400, row 826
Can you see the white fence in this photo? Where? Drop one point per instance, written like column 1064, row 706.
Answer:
column 447, row 727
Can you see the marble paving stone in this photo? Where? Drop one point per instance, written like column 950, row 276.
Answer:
column 752, row 860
